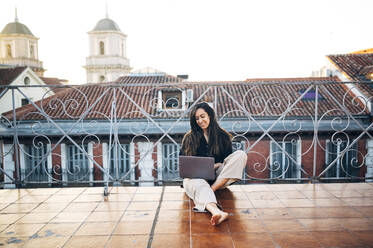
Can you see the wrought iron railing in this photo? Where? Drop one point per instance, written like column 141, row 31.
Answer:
column 131, row 133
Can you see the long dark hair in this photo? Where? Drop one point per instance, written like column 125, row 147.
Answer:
column 219, row 139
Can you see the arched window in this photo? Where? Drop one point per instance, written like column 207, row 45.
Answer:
column 9, row 50
column 102, row 78
column 102, row 48
column 26, row 81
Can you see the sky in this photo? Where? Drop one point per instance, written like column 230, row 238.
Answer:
column 207, row 39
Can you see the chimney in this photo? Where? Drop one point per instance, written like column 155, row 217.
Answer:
column 183, row 76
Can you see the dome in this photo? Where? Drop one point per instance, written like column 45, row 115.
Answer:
column 106, row 25
column 16, row 28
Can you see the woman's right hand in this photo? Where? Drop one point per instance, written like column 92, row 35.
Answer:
column 217, row 165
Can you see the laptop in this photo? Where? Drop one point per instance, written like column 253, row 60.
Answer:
column 197, row 167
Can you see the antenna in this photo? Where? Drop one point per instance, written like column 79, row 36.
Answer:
column 107, row 15
column 16, row 15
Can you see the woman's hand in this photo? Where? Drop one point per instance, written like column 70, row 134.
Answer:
column 217, row 165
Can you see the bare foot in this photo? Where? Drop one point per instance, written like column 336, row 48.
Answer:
column 216, row 219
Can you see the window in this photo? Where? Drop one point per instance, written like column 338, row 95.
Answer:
column 346, row 164
column 32, row 52
column 36, row 162
column 26, row 81
column 77, row 163
column 102, row 78
column 9, row 51
column 120, row 154
column 170, row 161
column 24, row 101
column 171, row 100
column 283, row 166
column 102, row 48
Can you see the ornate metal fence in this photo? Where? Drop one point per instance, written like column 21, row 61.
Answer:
column 131, row 133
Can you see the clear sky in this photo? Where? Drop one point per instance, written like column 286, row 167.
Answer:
column 206, row 39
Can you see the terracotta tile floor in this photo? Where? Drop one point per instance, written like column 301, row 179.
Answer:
column 276, row 215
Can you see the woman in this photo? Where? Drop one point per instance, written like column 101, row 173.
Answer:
column 207, row 139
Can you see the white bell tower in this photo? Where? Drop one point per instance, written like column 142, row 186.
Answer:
column 19, row 47
column 107, row 60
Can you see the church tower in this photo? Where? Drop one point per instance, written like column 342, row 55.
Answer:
column 107, row 59
column 19, row 47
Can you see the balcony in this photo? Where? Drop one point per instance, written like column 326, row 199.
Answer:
column 123, row 133
column 315, row 134
column 261, row 215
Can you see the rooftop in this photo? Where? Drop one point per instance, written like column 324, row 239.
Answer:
column 106, row 24
column 262, row 215
column 260, row 98
column 16, row 28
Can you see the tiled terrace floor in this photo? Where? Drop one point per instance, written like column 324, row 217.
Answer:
column 286, row 215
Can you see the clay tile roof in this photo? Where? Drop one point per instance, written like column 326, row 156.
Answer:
column 294, row 80
column 259, row 99
column 356, row 67
column 148, row 79
column 352, row 64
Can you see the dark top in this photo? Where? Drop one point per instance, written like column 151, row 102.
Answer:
column 203, row 151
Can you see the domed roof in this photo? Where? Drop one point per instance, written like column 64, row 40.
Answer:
column 106, row 24
column 16, row 28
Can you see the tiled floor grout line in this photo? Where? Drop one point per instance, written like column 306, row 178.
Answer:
column 150, row 240
column 230, row 233
column 129, row 203
column 190, row 223
column 260, row 219
column 297, row 220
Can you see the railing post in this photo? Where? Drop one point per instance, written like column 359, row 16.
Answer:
column 15, row 141
column 315, row 134
column 90, row 163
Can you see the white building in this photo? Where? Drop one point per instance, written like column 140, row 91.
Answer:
column 24, row 76
column 107, row 58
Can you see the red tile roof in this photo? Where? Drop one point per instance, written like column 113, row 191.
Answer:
column 352, row 64
column 355, row 67
column 260, row 99
column 294, row 80
column 144, row 79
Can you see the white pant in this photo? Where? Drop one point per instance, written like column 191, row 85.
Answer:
column 200, row 191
